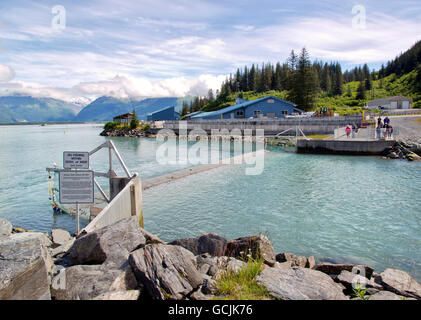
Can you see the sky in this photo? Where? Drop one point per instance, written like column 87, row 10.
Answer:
column 79, row 50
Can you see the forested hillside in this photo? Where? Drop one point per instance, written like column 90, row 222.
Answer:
column 312, row 85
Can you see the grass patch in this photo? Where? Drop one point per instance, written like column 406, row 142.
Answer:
column 242, row 285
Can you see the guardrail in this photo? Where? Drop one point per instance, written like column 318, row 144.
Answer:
column 127, row 203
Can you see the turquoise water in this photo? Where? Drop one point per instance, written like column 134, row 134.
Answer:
column 348, row 209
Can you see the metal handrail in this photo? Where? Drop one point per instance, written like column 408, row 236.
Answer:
column 111, row 147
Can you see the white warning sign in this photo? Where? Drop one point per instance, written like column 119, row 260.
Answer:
column 75, row 160
column 76, row 187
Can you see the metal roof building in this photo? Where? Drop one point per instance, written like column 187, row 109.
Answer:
column 267, row 107
column 397, row 102
column 167, row 113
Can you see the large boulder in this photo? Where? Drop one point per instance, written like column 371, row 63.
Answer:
column 166, row 271
column 111, row 244
column 5, row 228
column 400, row 283
column 351, row 280
column 296, row 261
column 25, row 267
column 87, row 282
column 60, row 237
column 299, row 284
column 61, row 250
column 336, row 269
column 210, row 243
column 255, row 246
column 387, row 295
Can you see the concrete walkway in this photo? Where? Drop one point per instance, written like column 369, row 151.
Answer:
column 170, row 177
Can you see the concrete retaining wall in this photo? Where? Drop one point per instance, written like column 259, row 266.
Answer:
column 343, row 147
column 272, row 127
column 126, row 204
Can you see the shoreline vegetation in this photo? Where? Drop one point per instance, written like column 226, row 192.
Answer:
column 318, row 84
column 208, row 267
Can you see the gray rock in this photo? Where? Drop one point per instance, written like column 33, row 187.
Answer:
column 386, row 295
column 62, row 249
column 111, row 244
column 119, row 295
column 209, row 286
column 166, row 271
column 199, row 295
column 283, row 265
column 311, row 262
column 5, row 228
column 351, row 280
column 256, row 246
column 219, row 265
column 204, row 269
column 210, row 243
column 400, row 283
column 336, row 269
column 299, row 284
column 296, row 261
column 87, row 282
column 60, row 237
column 25, row 267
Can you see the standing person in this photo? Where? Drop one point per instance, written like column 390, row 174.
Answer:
column 390, row 132
column 354, row 131
column 348, row 131
column 378, row 132
column 379, row 122
column 384, row 132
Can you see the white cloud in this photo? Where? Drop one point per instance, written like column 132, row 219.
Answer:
column 121, row 86
column 6, row 73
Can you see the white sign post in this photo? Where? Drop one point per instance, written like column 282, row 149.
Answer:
column 76, row 186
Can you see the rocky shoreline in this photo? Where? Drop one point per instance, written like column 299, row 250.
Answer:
column 125, row 262
column 408, row 150
column 127, row 133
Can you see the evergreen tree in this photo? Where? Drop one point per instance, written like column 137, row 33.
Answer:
column 252, row 81
column 185, row 108
column 211, row 97
column 338, row 84
column 303, row 89
column 134, row 123
column 349, row 91
column 361, row 92
column 368, row 84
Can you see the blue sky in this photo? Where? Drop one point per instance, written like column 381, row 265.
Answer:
column 174, row 48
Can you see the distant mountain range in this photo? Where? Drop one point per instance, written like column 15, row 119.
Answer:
column 30, row 109
column 15, row 109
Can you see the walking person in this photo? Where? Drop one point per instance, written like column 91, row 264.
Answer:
column 348, row 131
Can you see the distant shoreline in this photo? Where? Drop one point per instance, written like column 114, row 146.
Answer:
column 48, row 123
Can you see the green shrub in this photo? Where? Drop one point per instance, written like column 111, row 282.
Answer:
column 146, row 127
column 110, row 125
column 242, row 285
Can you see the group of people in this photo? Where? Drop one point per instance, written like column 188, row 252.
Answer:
column 384, row 130
column 353, row 130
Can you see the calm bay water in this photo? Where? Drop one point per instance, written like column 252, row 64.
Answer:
column 350, row 209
